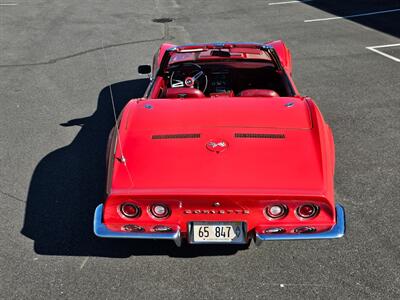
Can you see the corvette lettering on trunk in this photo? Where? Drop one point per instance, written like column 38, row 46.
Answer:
column 216, row 211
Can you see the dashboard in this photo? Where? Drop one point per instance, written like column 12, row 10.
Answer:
column 219, row 81
column 225, row 77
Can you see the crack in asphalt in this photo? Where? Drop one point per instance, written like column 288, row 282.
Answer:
column 55, row 60
column 12, row 197
column 165, row 36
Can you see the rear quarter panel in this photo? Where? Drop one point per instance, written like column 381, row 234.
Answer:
column 327, row 148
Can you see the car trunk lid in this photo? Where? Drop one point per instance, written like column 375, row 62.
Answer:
column 267, row 146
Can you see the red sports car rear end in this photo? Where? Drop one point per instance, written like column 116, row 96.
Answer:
column 212, row 161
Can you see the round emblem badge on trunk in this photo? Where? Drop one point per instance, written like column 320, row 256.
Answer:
column 217, row 146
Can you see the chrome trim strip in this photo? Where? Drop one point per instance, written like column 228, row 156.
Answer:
column 337, row 231
column 102, row 231
column 274, row 56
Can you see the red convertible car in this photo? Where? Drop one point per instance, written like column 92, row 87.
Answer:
column 222, row 148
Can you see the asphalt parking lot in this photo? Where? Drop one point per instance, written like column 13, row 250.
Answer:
column 55, row 116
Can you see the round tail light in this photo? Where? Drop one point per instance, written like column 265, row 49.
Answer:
column 305, row 229
column 307, row 211
column 159, row 210
column 274, row 230
column 130, row 210
column 276, row 211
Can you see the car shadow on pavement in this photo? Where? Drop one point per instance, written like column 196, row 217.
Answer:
column 69, row 183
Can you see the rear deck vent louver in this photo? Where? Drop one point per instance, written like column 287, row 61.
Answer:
column 259, row 136
column 176, row 136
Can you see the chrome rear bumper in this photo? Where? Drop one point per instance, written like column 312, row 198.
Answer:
column 101, row 230
column 337, row 231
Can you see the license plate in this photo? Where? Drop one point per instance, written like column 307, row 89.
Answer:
column 210, row 232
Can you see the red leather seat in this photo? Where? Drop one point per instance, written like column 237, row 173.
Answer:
column 258, row 93
column 184, row 92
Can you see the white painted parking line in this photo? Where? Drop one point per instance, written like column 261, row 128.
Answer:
column 289, row 2
column 8, row 4
column 373, row 48
column 354, row 16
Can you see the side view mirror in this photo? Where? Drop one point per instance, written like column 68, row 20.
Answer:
column 144, row 69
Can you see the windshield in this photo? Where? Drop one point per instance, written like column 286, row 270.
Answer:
column 220, row 54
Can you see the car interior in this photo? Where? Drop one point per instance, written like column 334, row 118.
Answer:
column 222, row 78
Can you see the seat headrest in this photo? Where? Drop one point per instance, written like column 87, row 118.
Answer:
column 184, row 92
column 258, row 93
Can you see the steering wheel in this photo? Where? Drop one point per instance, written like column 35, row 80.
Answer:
column 188, row 75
